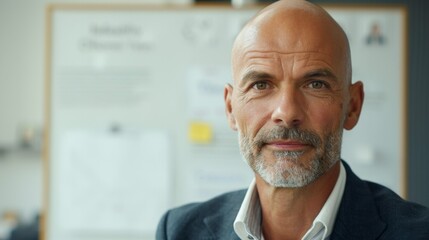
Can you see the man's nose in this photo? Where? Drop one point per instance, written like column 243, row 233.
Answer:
column 289, row 108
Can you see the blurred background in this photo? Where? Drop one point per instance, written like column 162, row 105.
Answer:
column 23, row 71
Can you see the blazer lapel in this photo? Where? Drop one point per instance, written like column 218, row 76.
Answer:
column 357, row 216
column 221, row 226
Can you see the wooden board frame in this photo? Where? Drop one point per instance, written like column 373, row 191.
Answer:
column 136, row 7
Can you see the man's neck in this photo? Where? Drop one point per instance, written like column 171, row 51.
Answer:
column 287, row 213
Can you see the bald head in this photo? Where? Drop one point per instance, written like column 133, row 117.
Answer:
column 293, row 26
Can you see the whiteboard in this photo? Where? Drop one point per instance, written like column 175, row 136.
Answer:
column 136, row 121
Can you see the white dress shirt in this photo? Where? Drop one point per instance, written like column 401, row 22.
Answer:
column 247, row 224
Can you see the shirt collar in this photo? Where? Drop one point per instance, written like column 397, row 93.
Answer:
column 247, row 224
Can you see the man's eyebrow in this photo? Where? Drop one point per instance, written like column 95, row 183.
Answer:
column 323, row 72
column 255, row 76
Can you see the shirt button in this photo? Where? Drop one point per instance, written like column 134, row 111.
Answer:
column 250, row 237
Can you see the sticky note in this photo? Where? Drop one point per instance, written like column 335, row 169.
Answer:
column 200, row 132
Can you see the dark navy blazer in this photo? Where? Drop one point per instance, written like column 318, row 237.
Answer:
column 368, row 211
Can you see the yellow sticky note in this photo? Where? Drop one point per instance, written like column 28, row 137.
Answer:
column 200, row 132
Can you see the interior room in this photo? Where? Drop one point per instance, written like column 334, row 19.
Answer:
column 113, row 113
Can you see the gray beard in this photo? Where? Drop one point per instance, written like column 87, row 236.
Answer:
column 328, row 151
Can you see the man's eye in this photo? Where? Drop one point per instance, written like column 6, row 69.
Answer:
column 317, row 84
column 260, row 85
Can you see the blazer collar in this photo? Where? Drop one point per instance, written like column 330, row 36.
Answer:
column 357, row 217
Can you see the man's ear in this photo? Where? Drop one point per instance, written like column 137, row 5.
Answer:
column 227, row 95
column 355, row 105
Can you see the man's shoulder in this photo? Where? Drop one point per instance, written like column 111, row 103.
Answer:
column 403, row 219
column 380, row 211
column 393, row 208
column 388, row 204
column 222, row 203
column 203, row 219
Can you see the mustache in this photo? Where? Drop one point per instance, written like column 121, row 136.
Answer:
column 295, row 134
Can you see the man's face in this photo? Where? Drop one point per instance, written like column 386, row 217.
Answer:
column 289, row 114
column 289, row 103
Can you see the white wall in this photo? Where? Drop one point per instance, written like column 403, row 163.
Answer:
column 22, row 62
column 21, row 102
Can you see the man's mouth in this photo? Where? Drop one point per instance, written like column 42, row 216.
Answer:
column 287, row 145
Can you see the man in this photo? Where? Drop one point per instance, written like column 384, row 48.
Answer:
column 291, row 98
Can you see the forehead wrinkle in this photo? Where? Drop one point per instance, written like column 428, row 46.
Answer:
column 316, row 65
column 251, row 59
column 258, row 54
column 298, row 55
column 309, row 57
column 280, row 52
